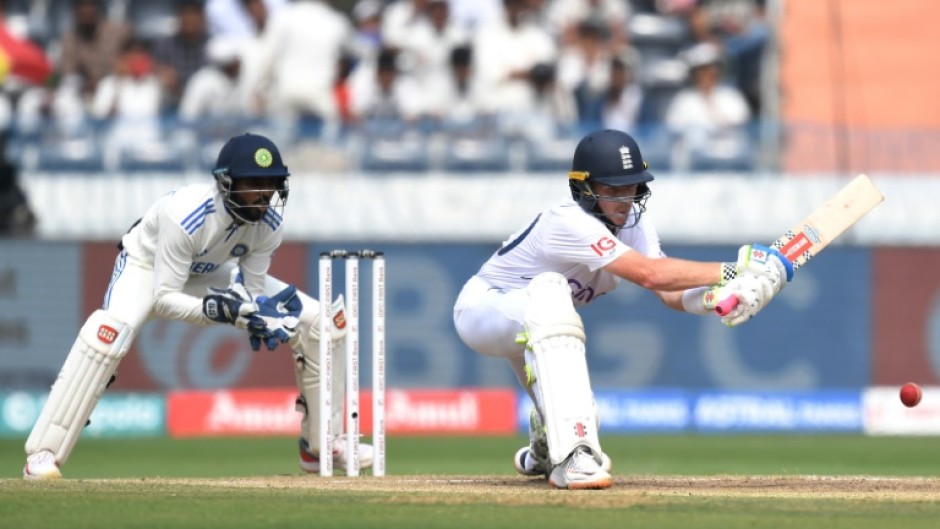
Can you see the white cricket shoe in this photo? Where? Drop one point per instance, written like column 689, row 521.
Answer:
column 310, row 460
column 580, row 471
column 528, row 463
column 41, row 466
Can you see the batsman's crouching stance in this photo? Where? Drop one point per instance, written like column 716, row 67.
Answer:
column 200, row 254
column 521, row 304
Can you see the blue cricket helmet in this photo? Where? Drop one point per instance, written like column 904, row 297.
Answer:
column 250, row 156
column 613, row 158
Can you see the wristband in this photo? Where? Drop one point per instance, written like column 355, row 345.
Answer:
column 728, row 272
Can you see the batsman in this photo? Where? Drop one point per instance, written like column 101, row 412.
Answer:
column 521, row 304
column 200, row 254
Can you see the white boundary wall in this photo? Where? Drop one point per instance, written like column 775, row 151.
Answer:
column 729, row 209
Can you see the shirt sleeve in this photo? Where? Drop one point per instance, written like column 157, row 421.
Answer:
column 579, row 238
column 172, row 260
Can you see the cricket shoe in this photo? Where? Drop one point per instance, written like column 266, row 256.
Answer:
column 310, row 459
column 580, row 471
column 528, row 462
column 41, row 466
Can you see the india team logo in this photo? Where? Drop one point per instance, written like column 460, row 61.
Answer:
column 263, row 157
column 239, row 250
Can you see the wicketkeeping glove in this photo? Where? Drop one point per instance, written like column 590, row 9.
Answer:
column 276, row 320
column 232, row 305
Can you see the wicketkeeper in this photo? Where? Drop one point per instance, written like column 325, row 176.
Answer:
column 521, row 303
column 200, row 254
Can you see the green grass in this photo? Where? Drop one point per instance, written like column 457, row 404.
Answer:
column 141, row 483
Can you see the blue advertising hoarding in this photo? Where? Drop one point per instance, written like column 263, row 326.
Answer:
column 816, row 334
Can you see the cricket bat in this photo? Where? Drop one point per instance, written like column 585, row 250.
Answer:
column 812, row 234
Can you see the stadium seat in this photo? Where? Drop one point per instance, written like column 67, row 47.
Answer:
column 473, row 154
column 71, row 155
column 153, row 157
column 388, row 154
column 732, row 151
column 656, row 143
column 152, row 20
column 657, row 36
column 656, row 101
column 552, row 155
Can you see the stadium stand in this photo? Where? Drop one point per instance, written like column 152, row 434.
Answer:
column 657, row 36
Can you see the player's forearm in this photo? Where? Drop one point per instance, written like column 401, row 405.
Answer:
column 179, row 306
column 666, row 274
column 673, row 300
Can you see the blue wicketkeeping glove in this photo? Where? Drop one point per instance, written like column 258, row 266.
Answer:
column 276, row 320
column 232, row 305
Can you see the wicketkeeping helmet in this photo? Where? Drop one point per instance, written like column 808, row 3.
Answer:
column 250, row 156
column 610, row 157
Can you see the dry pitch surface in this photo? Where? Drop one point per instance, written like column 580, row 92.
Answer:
column 626, row 490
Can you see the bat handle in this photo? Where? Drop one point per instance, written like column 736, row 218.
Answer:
column 726, row 305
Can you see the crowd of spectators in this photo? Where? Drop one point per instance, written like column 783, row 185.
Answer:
column 402, row 83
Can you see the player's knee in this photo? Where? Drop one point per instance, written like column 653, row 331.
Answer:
column 550, row 311
column 105, row 335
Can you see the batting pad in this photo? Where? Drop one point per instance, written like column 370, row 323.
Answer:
column 307, row 375
column 93, row 359
column 556, row 352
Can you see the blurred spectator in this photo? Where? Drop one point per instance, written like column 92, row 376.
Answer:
column 740, row 27
column 23, row 65
column 367, row 36
column 179, row 56
column 301, row 47
column 471, row 14
column 16, row 217
column 398, row 20
column 707, row 117
column 342, row 93
column 550, row 112
column 427, row 49
column 584, row 70
column 566, row 16
column 386, row 96
column 234, row 18
column 213, row 90
column 130, row 98
column 460, row 98
column 251, row 89
column 665, row 7
column 624, row 97
column 91, row 48
column 505, row 51
column 21, row 60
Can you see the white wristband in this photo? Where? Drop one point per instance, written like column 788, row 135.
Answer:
column 699, row 300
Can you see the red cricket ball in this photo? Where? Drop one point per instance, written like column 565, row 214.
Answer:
column 911, row 394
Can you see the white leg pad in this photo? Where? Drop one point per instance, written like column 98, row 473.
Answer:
column 93, row 359
column 307, row 375
column 555, row 350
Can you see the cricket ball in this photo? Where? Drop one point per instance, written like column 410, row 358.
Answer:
column 911, row 394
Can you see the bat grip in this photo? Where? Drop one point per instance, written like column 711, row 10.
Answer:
column 726, row 305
